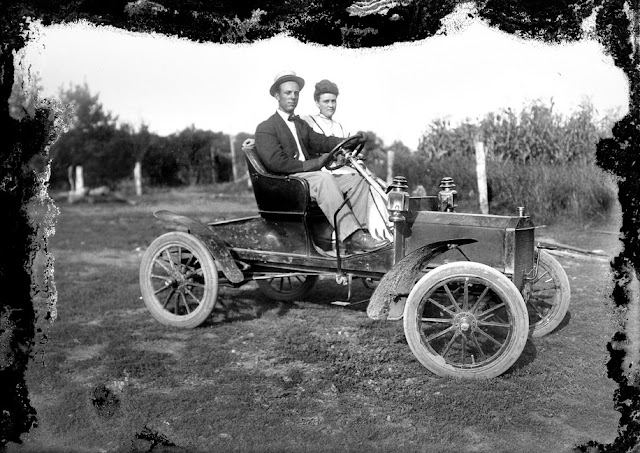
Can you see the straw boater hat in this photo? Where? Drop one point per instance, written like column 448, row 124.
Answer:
column 285, row 76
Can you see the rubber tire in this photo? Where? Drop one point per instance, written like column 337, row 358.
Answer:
column 503, row 288
column 288, row 296
column 209, row 271
column 562, row 296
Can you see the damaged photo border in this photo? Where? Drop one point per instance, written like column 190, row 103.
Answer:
column 31, row 125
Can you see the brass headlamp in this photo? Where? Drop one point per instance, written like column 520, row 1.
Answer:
column 398, row 197
column 398, row 206
column 448, row 196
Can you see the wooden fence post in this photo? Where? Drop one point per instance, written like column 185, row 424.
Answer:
column 76, row 183
column 214, row 167
column 390, row 156
column 79, row 181
column 137, row 177
column 481, row 170
column 234, row 165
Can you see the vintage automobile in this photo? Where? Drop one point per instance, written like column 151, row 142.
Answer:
column 470, row 288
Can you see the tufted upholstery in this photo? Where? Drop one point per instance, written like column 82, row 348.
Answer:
column 276, row 194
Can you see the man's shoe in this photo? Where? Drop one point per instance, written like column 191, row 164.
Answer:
column 363, row 242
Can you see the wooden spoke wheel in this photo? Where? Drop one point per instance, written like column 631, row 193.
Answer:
column 549, row 296
column 466, row 319
column 287, row 288
column 179, row 280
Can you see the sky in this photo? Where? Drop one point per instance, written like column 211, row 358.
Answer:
column 396, row 91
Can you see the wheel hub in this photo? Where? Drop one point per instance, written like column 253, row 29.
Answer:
column 465, row 322
column 177, row 280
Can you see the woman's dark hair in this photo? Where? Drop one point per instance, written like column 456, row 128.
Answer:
column 325, row 86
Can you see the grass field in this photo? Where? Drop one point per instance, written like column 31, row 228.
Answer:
column 304, row 376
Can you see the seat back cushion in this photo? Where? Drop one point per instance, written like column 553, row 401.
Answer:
column 276, row 194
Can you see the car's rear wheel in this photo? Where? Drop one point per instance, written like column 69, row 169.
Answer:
column 287, row 288
column 179, row 280
column 466, row 319
column 549, row 298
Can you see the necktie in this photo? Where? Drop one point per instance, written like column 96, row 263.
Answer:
column 293, row 117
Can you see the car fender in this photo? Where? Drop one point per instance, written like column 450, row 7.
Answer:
column 387, row 301
column 216, row 246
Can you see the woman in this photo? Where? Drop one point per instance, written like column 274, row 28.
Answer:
column 326, row 97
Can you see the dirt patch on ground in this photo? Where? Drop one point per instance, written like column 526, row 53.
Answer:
column 85, row 352
column 107, row 257
column 161, row 346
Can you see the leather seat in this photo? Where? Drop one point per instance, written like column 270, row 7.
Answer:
column 277, row 194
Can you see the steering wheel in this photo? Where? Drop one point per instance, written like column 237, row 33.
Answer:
column 337, row 150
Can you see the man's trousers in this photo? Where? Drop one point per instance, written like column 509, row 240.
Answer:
column 329, row 191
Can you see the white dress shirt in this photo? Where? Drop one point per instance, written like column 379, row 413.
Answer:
column 292, row 127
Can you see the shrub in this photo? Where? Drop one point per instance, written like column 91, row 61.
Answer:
column 420, row 171
column 536, row 133
column 582, row 192
column 160, row 164
column 550, row 193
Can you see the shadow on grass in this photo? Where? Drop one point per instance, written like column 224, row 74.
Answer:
column 248, row 302
column 245, row 305
column 327, row 291
column 563, row 324
column 528, row 355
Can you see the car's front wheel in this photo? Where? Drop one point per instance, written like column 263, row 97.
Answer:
column 466, row 319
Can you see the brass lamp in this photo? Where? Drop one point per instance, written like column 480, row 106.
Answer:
column 398, row 205
column 398, row 196
column 448, row 196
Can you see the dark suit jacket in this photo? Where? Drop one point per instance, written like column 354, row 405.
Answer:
column 277, row 147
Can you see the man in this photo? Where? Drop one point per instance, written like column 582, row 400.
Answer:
column 287, row 145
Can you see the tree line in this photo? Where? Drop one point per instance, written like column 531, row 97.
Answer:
column 108, row 151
